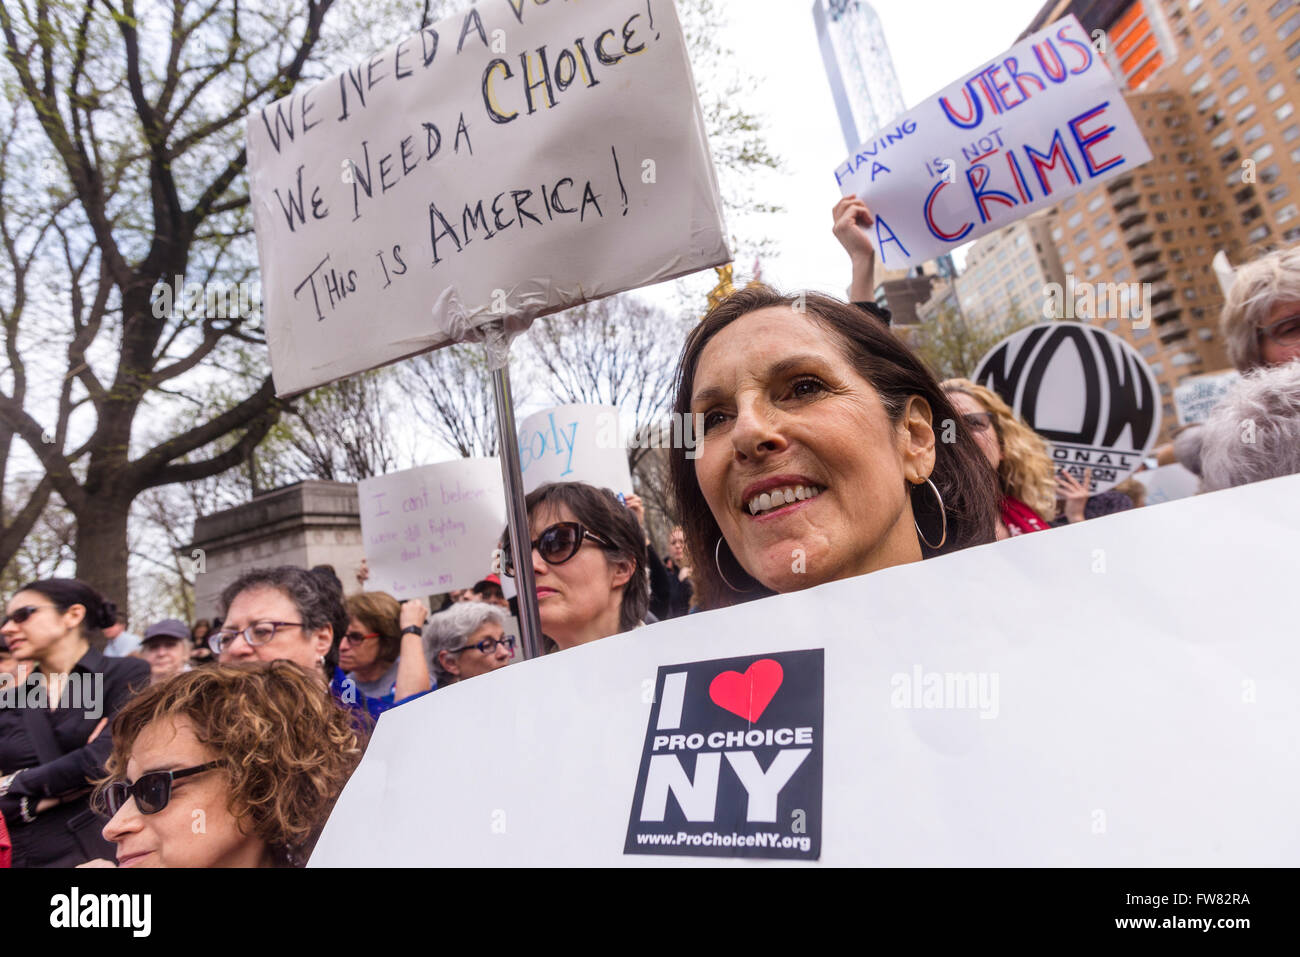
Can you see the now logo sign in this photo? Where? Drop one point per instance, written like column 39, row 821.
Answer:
column 732, row 760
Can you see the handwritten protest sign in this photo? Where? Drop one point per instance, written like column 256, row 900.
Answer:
column 502, row 164
column 573, row 443
column 955, row 733
column 1085, row 390
column 1044, row 120
column 1196, row 398
column 432, row 529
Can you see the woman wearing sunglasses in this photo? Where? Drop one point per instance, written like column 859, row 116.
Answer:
column 226, row 766
column 382, row 651
column 588, row 561
column 467, row 640
column 1018, row 454
column 53, row 729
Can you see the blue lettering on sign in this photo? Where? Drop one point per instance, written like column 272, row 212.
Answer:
column 557, row 440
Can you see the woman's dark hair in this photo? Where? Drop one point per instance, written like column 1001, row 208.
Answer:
column 961, row 473
column 318, row 602
column 599, row 510
column 381, row 613
column 63, row 593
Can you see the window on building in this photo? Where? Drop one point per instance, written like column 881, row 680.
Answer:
column 1222, row 139
column 1249, row 33
column 1286, row 213
column 1277, row 193
column 1194, row 64
column 1277, row 9
column 1201, row 83
column 1293, row 51
column 1097, row 202
column 1289, row 27
column 1263, row 153
column 1087, row 254
column 1236, row 96
column 1221, row 57
column 1284, row 111
column 1074, row 221
column 1207, row 103
column 1108, row 240
column 1274, row 92
column 1252, row 134
column 1258, row 233
column 1266, row 73
column 1245, row 113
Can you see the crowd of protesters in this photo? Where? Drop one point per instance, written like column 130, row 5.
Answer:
column 822, row 430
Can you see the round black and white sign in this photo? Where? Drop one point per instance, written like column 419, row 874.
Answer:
column 1088, row 392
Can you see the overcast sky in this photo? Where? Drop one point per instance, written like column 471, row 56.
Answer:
column 933, row 42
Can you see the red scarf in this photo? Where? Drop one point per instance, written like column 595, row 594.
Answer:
column 1020, row 519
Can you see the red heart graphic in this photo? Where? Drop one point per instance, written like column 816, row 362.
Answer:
column 748, row 695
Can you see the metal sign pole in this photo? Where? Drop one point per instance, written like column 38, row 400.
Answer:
column 521, row 546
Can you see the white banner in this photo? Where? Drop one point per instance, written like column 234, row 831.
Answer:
column 432, row 529
column 574, row 443
column 1137, row 707
column 1027, row 129
column 504, row 163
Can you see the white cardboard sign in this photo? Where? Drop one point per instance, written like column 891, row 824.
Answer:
column 574, row 443
column 1116, row 717
column 1087, row 391
column 503, row 164
column 1024, row 131
column 432, row 529
column 1196, row 398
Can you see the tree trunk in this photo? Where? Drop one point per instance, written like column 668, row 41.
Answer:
column 102, row 548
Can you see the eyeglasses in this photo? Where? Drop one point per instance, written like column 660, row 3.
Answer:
column 258, row 633
column 1285, row 332
column 151, row 791
column 22, row 614
column 557, row 544
column 356, row 638
column 489, row 645
column 978, row 421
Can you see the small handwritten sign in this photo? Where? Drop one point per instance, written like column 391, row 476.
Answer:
column 573, row 443
column 1029, row 128
column 505, row 163
column 432, row 529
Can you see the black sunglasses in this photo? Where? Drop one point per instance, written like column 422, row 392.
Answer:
column 151, row 791
column 557, row 544
column 20, row 615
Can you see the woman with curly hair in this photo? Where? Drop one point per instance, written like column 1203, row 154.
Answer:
column 226, row 766
column 1017, row 453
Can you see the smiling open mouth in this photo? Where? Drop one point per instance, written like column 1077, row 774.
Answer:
column 781, row 497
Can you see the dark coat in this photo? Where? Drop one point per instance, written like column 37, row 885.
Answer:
column 68, row 834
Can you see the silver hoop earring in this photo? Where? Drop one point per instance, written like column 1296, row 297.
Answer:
column 943, row 513
column 717, row 562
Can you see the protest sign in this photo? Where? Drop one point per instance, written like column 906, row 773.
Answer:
column 503, row 164
column 432, row 529
column 1136, row 705
column 1088, row 392
column 1027, row 129
column 1196, row 398
column 1168, row 483
column 574, row 443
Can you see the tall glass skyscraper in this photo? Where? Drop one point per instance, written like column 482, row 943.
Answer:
column 859, row 67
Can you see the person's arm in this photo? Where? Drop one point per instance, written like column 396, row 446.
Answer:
column 75, row 770
column 412, row 670
column 1073, row 494
column 851, row 221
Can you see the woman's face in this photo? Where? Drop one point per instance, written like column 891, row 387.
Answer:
column 292, row 643
column 362, row 654
column 677, row 546
column 1274, row 353
column 166, row 657
column 32, row 639
column 801, row 466
column 986, row 437
column 576, row 595
column 195, row 828
column 471, row 662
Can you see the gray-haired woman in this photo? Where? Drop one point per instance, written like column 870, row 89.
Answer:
column 466, row 640
column 1254, row 432
column 1261, row 315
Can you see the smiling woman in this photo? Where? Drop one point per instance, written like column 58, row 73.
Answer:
column 821, row 456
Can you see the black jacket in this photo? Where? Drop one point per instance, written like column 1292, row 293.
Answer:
column 67, row 834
